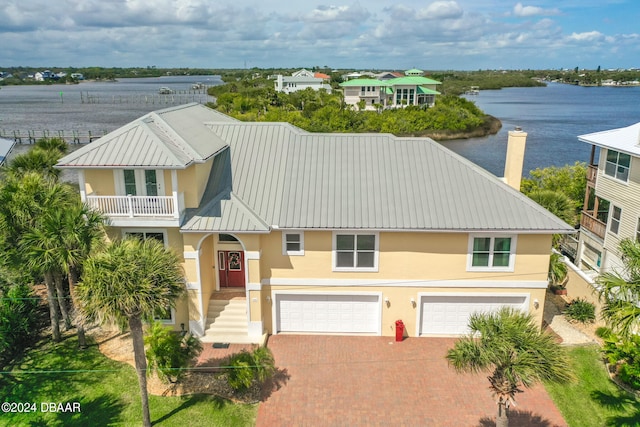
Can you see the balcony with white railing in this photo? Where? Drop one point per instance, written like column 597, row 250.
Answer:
column 126, row 209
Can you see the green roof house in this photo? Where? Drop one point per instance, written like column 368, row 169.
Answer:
column 413, row 89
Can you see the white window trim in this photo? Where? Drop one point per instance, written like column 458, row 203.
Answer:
column 512, row 253
column 614, row 177
column 611, row 219
column 165, row 237
column 376, row 253
column 284, row 243
column 171, row 321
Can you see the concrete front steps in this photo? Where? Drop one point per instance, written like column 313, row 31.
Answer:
column 227, row 322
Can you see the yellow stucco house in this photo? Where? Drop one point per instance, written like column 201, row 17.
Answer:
column 285, row 231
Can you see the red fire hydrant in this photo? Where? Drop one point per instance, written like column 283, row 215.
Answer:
column 399, row 330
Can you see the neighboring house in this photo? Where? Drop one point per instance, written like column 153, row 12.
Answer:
column 321, row 233
column 300, row 80
column 612, row 200
column 391, row 93
column 388, row 75
column 45, row 75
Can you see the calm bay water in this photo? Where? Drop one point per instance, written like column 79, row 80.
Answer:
column 60, row 107
column 553, row 117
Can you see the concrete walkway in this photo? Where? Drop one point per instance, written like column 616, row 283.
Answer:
column 374, row 381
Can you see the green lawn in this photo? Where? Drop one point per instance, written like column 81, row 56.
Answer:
column 594, row 400
column 107, row 392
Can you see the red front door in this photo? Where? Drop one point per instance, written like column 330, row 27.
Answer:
column 231, row 269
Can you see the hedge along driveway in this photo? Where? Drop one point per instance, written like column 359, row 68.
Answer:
column 374, row 381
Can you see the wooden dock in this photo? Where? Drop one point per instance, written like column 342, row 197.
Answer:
column 31, row 136
column 176, row 98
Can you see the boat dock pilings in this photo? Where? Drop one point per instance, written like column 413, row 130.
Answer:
column 70, row 137
column 177, row 97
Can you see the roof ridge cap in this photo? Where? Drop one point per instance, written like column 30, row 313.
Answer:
column 178, row 142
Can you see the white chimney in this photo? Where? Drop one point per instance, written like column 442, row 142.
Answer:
column 515, row 157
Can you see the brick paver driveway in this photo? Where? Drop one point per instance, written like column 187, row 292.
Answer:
column 373, row 381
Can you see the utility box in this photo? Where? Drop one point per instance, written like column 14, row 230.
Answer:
column 399, row 330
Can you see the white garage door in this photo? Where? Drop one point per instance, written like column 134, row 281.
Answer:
column 449, row 314
column 328, row 313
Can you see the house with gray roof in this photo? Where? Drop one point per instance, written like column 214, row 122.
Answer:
column 300, row 80
column 285, row 231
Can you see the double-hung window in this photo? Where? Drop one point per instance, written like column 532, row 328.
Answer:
column 293, row 243
column 355, row 252
column 159, row 235
column 495, row 253
column 165, row 315
column 616, row 215
column 617, row 165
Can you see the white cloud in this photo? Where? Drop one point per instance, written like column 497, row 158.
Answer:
column 526, row 11
column 441, row 10
column 587, row 36
column 337, row 13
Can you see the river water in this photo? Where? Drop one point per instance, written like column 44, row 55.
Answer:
column 553, row 116
column 95, row 106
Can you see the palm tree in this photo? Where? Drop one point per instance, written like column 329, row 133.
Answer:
column 558, row 270
column 557, row 203
column 512, row 347
column 24, row 203
column 58, row 245
column 82, row 233
column 126, row 284
column 620, row 291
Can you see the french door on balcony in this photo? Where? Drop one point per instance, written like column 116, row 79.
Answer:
column 140, row 182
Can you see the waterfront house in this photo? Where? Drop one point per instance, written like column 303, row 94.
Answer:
column 612, row 201
column 300, row 80
column 411, row 89
column 285, row 231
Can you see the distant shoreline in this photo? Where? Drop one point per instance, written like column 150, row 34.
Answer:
column 491, row 126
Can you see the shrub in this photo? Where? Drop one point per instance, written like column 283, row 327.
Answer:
column 168, row 352
column 581, row 310
column 603, row 332
column 21, row 317
column 241, row 372
column 630, row 374
column 245, row 367
column 624, row 354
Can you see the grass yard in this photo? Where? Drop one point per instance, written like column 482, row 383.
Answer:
column 107, row 392
column 594, row 400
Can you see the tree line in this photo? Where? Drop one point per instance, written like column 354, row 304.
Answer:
column 321, row 111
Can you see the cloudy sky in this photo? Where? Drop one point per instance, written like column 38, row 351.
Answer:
column 389, row 34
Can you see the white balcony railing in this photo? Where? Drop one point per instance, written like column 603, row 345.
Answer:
column 136, row 206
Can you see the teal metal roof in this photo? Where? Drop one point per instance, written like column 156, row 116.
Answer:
column 427, row 91
column 363, row 82
column 412, row 80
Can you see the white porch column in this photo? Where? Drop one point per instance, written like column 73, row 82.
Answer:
column 196, row 327
column 83, row 190
column 174, row 193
